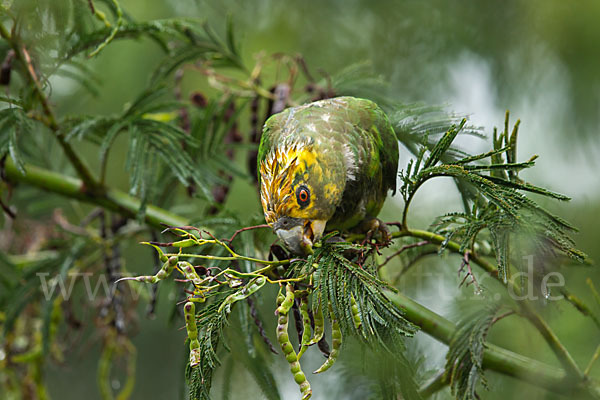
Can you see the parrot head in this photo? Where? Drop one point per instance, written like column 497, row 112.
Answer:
column 301, row 186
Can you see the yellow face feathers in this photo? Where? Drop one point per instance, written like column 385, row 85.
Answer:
column 295, row 184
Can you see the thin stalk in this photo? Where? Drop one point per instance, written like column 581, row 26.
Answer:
column 580, row 306
column 231, row 258
column 595, row 357
column 450, row 245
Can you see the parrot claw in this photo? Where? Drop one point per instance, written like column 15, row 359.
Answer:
column 378, row 230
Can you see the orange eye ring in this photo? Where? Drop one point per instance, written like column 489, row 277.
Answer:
column 303, row 196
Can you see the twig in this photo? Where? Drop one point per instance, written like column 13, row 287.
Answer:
column 592, row 361
column 112, row 265
column 402, row 249
column 10, row 213
column 113, row 32
column 244, row 230
column 465, row 263
column 580, row 305
column 95, row 213
column 259, row 324
column 151, row 307
column 181, row 228
column 593, row 289
column 499, row 317
column 89, row 183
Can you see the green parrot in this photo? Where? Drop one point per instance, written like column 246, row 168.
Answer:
column 326, row 165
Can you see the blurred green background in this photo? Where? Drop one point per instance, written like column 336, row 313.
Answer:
column 538, row 58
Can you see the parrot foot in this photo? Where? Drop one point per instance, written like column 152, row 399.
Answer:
column 376, row 229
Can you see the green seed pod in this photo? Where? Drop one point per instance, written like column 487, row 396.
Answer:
column 161, row 256
column 319, row 326
column 280, row 298
column 355, row 313
column 189, row 312
column 286, row 346
column 306, row 326
column 162, row 274
column 184, row 243
column 336, row 343
column 251, row 287
column 288, row 301
column 190, row 273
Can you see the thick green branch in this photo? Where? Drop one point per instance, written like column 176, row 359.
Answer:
column 497, row 358
column 110, row 199
column 526, row 309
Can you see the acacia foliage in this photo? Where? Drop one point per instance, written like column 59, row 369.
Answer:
column 190, row 143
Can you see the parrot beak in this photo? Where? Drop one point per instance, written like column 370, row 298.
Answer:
column 298, row 235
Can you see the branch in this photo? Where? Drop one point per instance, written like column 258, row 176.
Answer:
column 434, row 385
column 496, row 358
column 51, row 122
column 110, row 199
column 526, row 309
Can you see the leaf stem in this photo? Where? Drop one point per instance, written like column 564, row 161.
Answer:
column 270, row 264
column 580, row 306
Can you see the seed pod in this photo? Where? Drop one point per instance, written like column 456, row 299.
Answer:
column 251, row 287
column 355, row 313
column 184, row 243
column 306, row 325
column 190, row 273
column 283, row 339
column 280, row 298
column 163, row 273
column 161, row 256
column 189, row 311
column 319, row 326
column 288, row 301
column 336, row 343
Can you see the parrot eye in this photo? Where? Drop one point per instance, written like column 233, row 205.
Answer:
column 303, row 195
